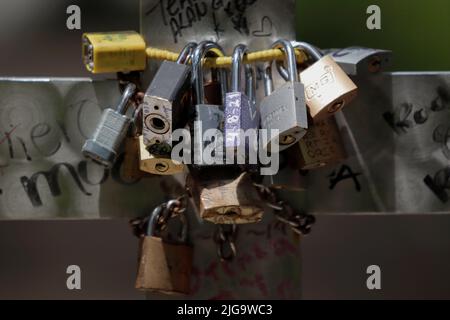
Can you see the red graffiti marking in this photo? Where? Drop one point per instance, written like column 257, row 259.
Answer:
column 211, row 271
column 282, row 246
column 256, row 282
column 259, row 252
column 8, row 134
column 226, row 267
column 243, row 260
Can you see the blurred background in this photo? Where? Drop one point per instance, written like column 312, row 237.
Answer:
column 412, row 251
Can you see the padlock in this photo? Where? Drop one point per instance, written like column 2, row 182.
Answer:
column 361, row 61
column 111, row 131
column 206, row 116
column 240, row 108
column 327, row 87
column 165, row 103
column 118, row 51
column 225, row 196
column 322, row 145
column 215, row 87
column 284, row 109
column 130, row 166
column 157, row 165
column 164, row 267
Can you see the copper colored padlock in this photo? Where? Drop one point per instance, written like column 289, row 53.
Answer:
column 327, row 87
column 225, row 199
column 322, row 145
column 157, row 165
column 130, row 166
column 163, row 267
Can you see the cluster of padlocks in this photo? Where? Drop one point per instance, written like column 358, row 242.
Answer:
column 297, row 116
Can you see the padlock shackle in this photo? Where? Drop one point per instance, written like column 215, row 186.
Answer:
column 268, row 80
column 186, row 53
column 290, row 58
column 127, row 94
column 239, row 53
column 199, row 54
column 164, row 211
column 315, row 53
column 223, row 79
column 153, row 221
column 250, row 82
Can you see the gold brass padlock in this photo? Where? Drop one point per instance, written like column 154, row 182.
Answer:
column 130, row 166
column 222, row 198
column 163, row 267
column 322, row 145
column 157, row 165
column 327, row 87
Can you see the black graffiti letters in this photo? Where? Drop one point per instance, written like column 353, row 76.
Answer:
column 344, row 173
column 52, row 178
column 439, row 184
column 79, row 175
column 181, row 15
column 83, row 172
column 398, row 120
column 441, row 135
column 40, row 131
column 406, row 117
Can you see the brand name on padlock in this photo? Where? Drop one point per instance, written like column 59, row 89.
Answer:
column 275, row 115
column 315, row 89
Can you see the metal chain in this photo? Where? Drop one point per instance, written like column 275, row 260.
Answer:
column 300, row 223
column 224, row 237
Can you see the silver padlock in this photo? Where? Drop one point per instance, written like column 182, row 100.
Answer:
column 207, row 116
column 284, row 109
column 165, row 103
column 241, row 113
column 103, row 146
column 361, row 61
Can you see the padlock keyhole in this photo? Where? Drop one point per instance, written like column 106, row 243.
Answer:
column 158, row 124
column 336, row 106
column 375, row 64
column 286, row 140
column 161, row 167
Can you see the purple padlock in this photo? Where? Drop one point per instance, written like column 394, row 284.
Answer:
column 241, row 113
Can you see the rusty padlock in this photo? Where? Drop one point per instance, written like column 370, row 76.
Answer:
column 130, row 166
column 225, row 196
column 157, row 165
column 164, row 267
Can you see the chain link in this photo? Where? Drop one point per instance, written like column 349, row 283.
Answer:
column 300, row 223
column 224, row 237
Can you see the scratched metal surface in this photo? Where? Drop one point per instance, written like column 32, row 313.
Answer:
column 396, row 135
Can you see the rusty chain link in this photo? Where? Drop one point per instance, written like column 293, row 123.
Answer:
column 300, row 223
column 224, row 237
